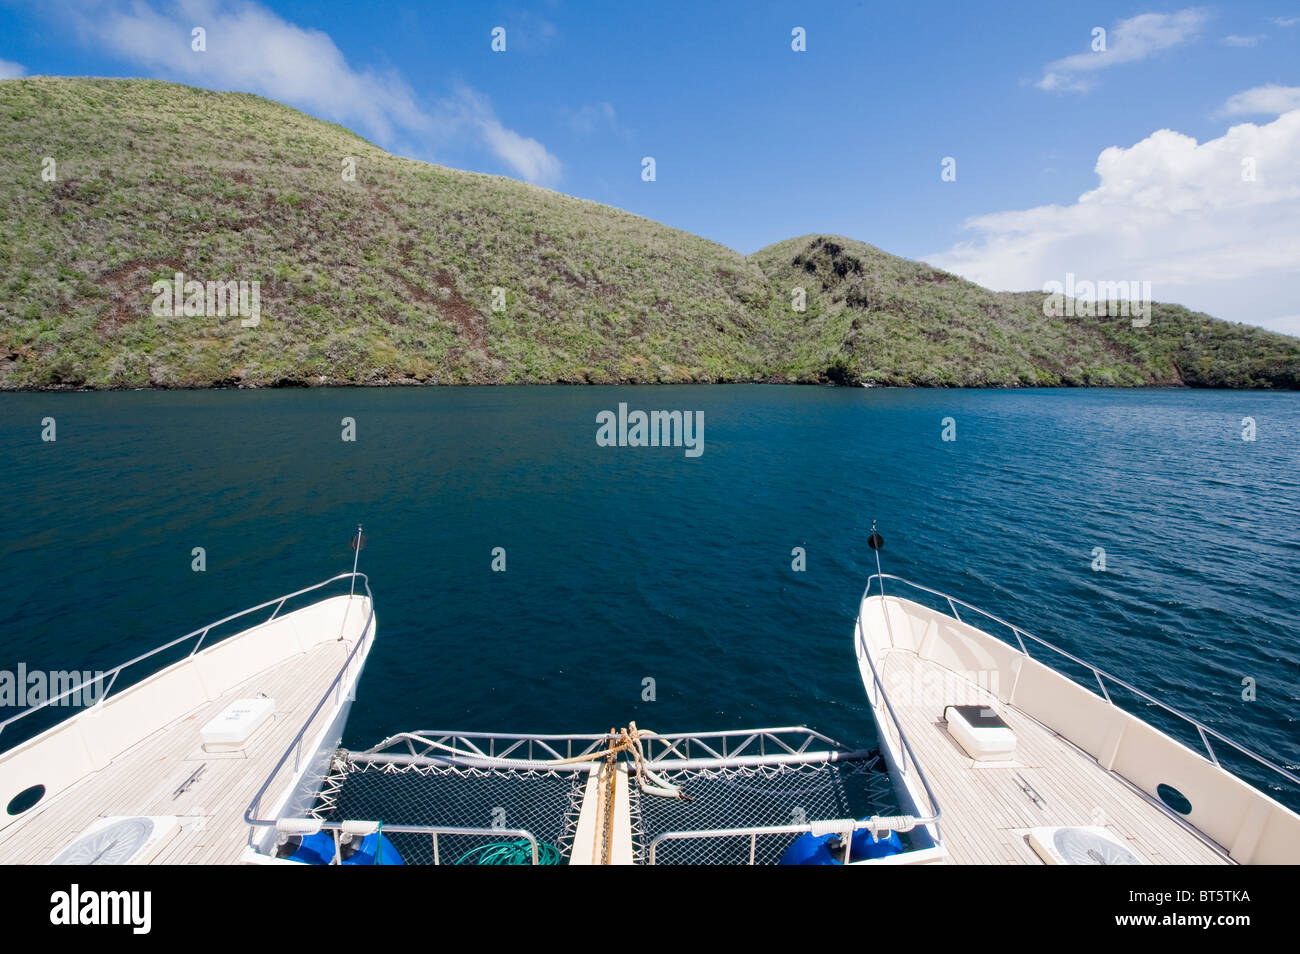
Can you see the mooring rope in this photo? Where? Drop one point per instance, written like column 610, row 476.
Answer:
column 629, row 740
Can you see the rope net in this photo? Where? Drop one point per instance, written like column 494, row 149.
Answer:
column 547, row 804
column 753, row 796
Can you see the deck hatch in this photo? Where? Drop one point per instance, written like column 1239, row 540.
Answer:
column 978, row 717
column 981, row 732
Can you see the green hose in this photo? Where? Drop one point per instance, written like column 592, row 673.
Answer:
column 510, row 853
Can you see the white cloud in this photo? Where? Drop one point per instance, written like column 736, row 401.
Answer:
column 250, row 48
column 1235, row 40
column 1267, row 100
column 526, row 156
column 1170, row 211
column 1128, row 41
column 11, row 70
column 1285, row 21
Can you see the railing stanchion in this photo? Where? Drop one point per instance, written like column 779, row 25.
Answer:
column 355, row 557
column 1103, row 686
column 109, row 687
column 1209, row 748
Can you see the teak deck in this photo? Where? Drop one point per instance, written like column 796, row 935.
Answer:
column 143, row 779
column 984, row 810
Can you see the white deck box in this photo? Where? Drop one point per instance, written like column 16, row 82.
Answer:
column 236, row 724
column 981, row 733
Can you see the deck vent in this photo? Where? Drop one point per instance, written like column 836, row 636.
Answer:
column 1080, row 846
column 120, row 840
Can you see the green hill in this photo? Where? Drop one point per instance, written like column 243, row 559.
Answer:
column 391, row 277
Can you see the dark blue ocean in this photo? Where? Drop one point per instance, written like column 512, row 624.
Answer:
column 625, row 564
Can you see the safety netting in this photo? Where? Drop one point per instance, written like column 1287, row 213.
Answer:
column 500, row 801
column 751, row 796
column 496, row 800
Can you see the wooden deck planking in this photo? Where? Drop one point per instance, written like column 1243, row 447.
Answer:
column 982, row 808
column 141, row 780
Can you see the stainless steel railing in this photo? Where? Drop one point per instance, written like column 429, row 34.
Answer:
column 729, row 747
column 1099, row 674
column 691, row 751
column 301, row 826
column 905, row 746
column 844, row 828
column 198, row 635
column 335, row 689
column 783, row 746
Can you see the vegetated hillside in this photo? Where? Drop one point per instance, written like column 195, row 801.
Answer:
column 899, row 322
column 390, row 277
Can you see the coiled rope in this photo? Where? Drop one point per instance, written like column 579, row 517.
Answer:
column 518, row 852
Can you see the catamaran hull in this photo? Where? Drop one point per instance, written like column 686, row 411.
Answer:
column 185, row 749
column 1100, row 760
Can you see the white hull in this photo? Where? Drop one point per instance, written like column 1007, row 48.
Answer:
column 131, row 754
column 1091, row 763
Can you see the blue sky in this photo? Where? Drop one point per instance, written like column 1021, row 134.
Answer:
column 755, row 142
